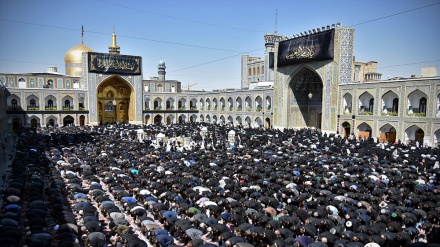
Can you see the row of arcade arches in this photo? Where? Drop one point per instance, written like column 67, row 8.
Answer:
column 390, row 104
column 387, row 133
column 237, row 104
column 49, row 103
column 171, row 119
column 35, row 121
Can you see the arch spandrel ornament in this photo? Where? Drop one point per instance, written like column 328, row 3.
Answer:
column 421, row 125
column 384, row 90
column 423, row 88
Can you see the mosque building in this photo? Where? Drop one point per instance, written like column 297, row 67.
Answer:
column 306, row 80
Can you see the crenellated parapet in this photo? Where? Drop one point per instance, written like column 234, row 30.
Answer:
column 272, row 38
column 314, row 31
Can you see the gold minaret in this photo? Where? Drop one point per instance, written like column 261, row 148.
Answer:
column 114, row 49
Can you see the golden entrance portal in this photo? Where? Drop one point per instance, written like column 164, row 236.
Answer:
column 116, row 101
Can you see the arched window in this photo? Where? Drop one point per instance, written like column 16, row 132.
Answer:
column 82, row 120
column 110, row 94
column 68, row 84
column 81, row 104
column 50, row 103
column 33, row 103
column 254, row 72
column 14, row 103
column 371, row 105
column 395, row 104
column 422, row 107
column 250, row 72
column 160, row 88
column 49, row 84
column 32, row 82
column 67, row 103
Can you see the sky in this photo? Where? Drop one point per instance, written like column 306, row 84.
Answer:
column 201, row 41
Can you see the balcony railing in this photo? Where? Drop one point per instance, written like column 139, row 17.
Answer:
column 158, row 108
column 82, row 108
column 181, row 108
column 259, row 109
column 50, row 108
column 417, row 114
column 193, row 108
column 389, row 113
column 67, row 108
column 15, row 108
column 365, row 113
column 33, row 108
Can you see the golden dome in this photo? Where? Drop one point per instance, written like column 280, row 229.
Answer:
column 74, row 55
column 73, row 59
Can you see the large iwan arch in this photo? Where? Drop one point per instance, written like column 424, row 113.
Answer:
column 305, row 89
column 116, row 92
column 307, row 73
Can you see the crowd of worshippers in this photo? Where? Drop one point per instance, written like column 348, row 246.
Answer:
column 100, row 186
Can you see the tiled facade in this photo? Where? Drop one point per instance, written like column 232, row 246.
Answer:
column 400, row 108
column 245, row 107
column 38, row 99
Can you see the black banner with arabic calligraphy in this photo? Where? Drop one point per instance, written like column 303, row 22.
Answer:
column 313, row 47
column 114, row 64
